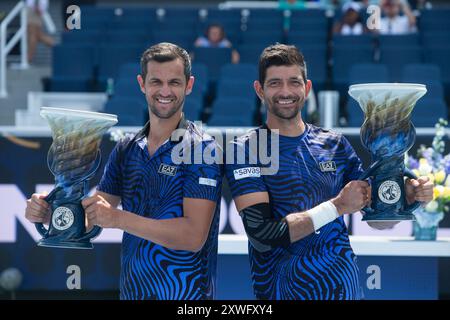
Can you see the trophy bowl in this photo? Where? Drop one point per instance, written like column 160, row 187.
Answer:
column 73, row 158
column 387, row 133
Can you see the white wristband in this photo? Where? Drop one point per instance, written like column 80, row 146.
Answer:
column 322, row 214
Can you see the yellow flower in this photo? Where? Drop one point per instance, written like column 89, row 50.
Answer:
column 439, row 177
column 438, row 191
column 446, row 192
column 423, row 161
column 431, row 176
column 417, row 173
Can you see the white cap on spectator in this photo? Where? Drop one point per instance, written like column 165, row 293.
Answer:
column 351, row 5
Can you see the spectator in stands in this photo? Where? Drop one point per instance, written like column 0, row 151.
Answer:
column 215, row 38
column 351, row 22
column 393, row 23
column 36, row 34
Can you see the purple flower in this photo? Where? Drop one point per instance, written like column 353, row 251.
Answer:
column 413, row 163
column 428, row 154
column 447, row 164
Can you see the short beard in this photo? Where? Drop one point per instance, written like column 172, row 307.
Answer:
column 284, row 114
column 170, row 113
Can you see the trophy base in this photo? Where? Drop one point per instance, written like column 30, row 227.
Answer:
column 384, row 217
column 64, row 244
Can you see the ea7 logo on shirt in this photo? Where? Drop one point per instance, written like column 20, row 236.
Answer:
column 167, row 169
column 250, row 172
column 327, row 166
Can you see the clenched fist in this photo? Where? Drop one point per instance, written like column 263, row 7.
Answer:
column 38, row 210
column 100, row 212
column 353, row 197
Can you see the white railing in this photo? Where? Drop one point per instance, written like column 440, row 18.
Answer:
column 7, row 46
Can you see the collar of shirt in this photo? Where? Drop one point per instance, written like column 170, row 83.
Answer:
column 174, row 138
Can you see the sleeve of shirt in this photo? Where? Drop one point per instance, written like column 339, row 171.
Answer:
column 244, row 176
column 203, row 179
column 111, row 181
column 354, row 165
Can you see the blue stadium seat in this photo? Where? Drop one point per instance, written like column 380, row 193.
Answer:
column 355, row 114
column 428, row 111
column 139, row 13
column 224, row 15
column 361, row 40
column 200, row 73
column 111, row 57
column 399, row 40
column 232, row 111
column 421, row 73
column 176, row 25
column 435, row 20
column 93, row 23
column 97, row 12
column 435, row 90
column 435, row 14
column 181, row 14
column 265, row 25
column 265, row 15
column 230, row 88
column 397, row 57
column 310, row 14
column 130, row 111
column 250, row 52
column 192, row 108
column 346, row 56
column 72, row 75
column 81, row 37
column 128, row 36
column 182, row 37
column 368, row 73
column 127, row 23
column 440, row 56
column 213, row 58
column 263, row 38
column 306, row 38
column 316, row 63
column 433, row 39
column 129, row 70
column 309, row 26
column 241, row 72
column 128, row 88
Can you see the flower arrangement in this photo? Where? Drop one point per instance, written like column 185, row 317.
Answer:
column 433, row 163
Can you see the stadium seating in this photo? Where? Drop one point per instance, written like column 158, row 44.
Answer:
column 428, row 111
column 73, row 67
column 368, row 73
column 397, row 57
column 111, row 41
column 232, row 111
column 213, row 58
column 130, row 111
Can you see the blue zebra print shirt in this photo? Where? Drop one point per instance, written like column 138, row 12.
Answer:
column 313, row 168
column 154, row 187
